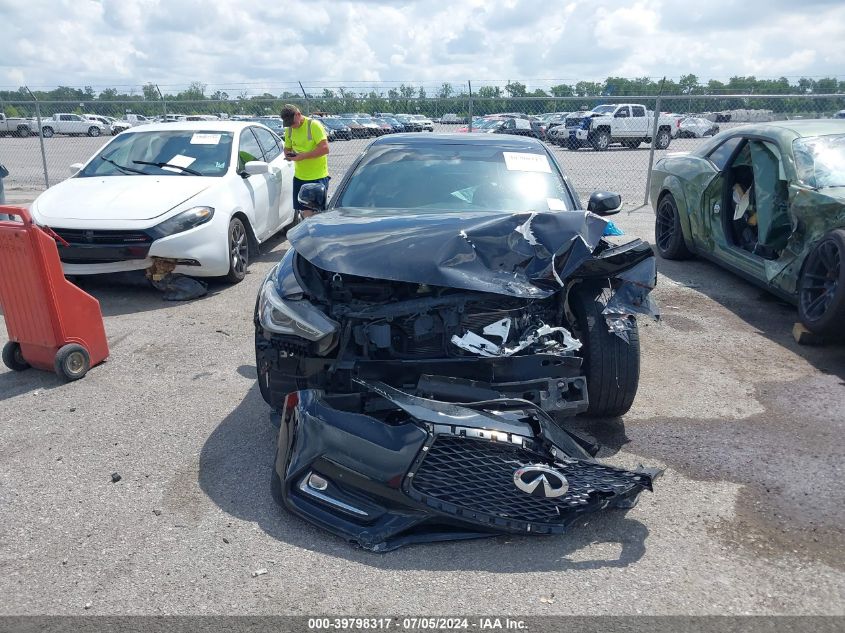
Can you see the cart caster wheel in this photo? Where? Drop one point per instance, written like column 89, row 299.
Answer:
column 13, row 358
column 72, row 362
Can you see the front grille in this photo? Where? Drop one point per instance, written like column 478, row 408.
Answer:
column 473, row 478
column 83, row 236
column 574, row 122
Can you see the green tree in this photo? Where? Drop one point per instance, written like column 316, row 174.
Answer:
column 422, row 93
column 150, row 92
column 561, row 90
column 489, row 92
column 515, row 89
column 445, row 91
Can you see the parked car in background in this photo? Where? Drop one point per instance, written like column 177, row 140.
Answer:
column 766, row 201
column 373, row 128
column 839, row 115
column 438, row 277
column 70, row 125
column 355, row 129
column 696, row 127
column 137, row 119
column 395, row 124
column 384, row 126
column 339, row 129
column 114, row 126
column 200, row 195
column 452, row 119
column 411, row 124
column 13, row 126
column 426, row 123
column 627, row 123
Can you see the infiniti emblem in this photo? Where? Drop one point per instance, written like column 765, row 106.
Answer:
column 541, row 481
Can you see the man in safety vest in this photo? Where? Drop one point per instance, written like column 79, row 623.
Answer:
column 307, row 146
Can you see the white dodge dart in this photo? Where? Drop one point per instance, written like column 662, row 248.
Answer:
column 200, row 195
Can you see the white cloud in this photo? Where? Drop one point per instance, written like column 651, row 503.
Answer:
column 271, row 46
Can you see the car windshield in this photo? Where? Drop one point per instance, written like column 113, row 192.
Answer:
column 820, row 160
column 604, row 109
column 456, row 178
column 178, row 152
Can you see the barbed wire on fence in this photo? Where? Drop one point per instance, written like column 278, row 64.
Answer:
column 35, row 161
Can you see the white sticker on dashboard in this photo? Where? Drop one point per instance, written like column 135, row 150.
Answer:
column 203, row 138
column 555, row 204
column 179, row 161
column 520, row 161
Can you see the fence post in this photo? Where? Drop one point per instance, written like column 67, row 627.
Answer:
column 651, row 149
column 163, row 102
column 40, row 137
column 469, row 117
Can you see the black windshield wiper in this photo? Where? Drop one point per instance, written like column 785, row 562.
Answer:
column 123, row 168
column 162, row 165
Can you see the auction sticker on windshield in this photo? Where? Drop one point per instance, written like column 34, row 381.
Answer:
column 203, row 138
column 179, row 161
column 520, row 161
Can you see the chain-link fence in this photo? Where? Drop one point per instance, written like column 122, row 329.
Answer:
column 601, row 142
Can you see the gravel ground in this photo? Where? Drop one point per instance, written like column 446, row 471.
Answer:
column 747, row 519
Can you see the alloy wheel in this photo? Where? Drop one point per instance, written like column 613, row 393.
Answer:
column 238, row 248
column 821, row 280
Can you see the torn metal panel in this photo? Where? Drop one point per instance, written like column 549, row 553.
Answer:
column 517, row 254
column 476, row 344
column 631, row 296
column 385, row 469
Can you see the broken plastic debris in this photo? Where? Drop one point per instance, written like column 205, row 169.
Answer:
column 115, row 477
column 259, row 572
column 177, row 287
column 476, row 344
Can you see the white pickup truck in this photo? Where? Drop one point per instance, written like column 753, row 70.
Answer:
column 14, row 126
column 70, row 124
column 627, row 123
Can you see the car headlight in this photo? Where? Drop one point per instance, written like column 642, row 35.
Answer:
column 184, row 221
column 293, row 315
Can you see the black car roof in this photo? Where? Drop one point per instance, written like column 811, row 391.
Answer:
column 503, row 141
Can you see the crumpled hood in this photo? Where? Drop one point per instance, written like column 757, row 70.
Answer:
column 117, row 197
column 525, row 254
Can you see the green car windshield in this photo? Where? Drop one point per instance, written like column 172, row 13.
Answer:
column 163, row 153
column 455, row 178
column 820, row 160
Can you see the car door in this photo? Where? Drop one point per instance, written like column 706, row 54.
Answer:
column 257, row 187
column 622, row 122
column 638, row 124
column 280, row 181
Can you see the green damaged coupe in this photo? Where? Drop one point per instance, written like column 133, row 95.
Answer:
column 766, row 201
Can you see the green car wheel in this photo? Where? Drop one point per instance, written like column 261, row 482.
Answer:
column 668, row 235
column 821, row 291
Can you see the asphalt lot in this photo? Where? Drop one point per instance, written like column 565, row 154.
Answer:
column 747, row 519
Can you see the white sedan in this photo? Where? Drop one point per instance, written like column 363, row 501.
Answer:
column 199, row 195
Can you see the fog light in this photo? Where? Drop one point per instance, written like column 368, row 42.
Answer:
column 317, row 483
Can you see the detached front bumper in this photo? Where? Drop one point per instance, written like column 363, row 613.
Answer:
column 385, row 469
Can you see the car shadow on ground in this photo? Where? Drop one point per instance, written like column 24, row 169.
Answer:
column 235, row 468
column 767, row 314
column 131, row 293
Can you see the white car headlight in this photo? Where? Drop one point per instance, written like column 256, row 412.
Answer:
column 183, row 221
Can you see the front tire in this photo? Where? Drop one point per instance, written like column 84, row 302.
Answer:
column 821, row 286
column 238, row 248
column 663, row 139
column 93, row 131
column 611, row 365
column 72, row 362
column 601, row 140
column 13, row 357
column 668, row 236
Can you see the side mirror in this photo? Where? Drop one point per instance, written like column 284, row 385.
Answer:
column 74, row 169
column 312, row 196
column 256, row 167
column 605, row 203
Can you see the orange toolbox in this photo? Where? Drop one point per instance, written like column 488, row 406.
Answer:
column 52, row 324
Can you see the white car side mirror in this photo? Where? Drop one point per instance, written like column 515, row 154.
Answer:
column 256, row 167
column 75, row 168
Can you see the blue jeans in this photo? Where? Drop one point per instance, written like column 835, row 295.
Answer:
column 297, row 184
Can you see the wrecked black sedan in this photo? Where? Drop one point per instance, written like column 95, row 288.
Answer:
column 424, row 337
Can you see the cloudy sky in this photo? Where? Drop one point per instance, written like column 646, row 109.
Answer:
column 265, row 45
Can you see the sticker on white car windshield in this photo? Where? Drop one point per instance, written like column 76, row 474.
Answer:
column 179, row 161
column 203, row 138
column 555, row 204
column 520, row 161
